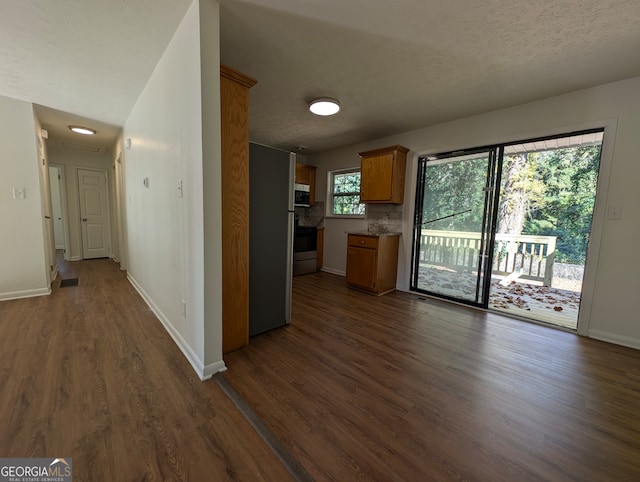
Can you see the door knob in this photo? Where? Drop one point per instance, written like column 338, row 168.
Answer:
column 84, row 219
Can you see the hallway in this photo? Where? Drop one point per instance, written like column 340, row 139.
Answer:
column 89, row 373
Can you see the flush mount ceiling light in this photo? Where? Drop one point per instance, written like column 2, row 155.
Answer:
column 324, row 106
column 82, row 130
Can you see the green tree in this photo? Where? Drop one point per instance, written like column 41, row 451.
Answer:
column 453, row 191
column 570, row 178
column 522, row 192
column 548, row 193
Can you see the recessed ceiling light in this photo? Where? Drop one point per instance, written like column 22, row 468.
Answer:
column 324, row 106
column 82, row 130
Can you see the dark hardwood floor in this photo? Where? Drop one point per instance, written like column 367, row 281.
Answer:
column 89, row 373
column 398, row 389
column 357, row 388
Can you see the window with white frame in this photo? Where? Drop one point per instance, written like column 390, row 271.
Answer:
column 345, row 193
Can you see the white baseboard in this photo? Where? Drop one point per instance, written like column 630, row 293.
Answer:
column 204, row 372
column 616, row 339
column 334, row 271
column 213, row 368
column 75, row 258
column 15, row 295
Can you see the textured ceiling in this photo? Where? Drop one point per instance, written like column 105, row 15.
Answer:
column 395, row 65
column 398, row 65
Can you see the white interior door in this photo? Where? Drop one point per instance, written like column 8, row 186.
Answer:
column 94, row 213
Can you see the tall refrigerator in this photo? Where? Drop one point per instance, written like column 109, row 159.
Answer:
column 271, row 231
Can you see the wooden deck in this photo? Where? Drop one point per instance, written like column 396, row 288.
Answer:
column 519, row 298
column 532, row 257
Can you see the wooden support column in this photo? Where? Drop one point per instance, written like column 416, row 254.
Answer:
column 234, row 107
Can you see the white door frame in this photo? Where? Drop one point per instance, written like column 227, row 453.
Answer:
column 599, row 215
column 63, row 206
column 121, row 213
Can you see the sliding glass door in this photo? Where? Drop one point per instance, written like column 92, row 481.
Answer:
column 453, row 225
column 507, row 227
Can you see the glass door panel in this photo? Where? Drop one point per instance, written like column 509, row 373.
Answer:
column 452, row 230
column 547, row 197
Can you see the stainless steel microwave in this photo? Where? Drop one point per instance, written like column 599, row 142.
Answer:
column 302, row 195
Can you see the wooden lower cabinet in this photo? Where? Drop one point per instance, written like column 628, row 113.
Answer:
column 372, row 262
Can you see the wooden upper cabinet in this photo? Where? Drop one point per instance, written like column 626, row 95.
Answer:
column 302, row 173
column 306, row 174
column 382, row 175
column 234, row 114
column 312, row 184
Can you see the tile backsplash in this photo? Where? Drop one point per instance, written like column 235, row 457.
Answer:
column 311, row 216
column 381, row 218
column 384, row 218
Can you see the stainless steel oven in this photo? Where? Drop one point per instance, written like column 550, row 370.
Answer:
column 305, row 250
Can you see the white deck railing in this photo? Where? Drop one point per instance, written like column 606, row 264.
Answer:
column 531, row 257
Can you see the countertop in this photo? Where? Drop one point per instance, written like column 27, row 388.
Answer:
column 375, row 233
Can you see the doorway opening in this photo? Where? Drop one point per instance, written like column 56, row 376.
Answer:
column 59, row 209
column 506, row 227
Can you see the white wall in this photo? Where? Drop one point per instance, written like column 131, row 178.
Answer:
column 23, row 271
column 72, row 160
column 166, row 234
column 208, row 179
column 609, row 310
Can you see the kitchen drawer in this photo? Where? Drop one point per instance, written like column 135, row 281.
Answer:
column 363, row 241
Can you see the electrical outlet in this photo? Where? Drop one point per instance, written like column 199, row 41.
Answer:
column 19, row 193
